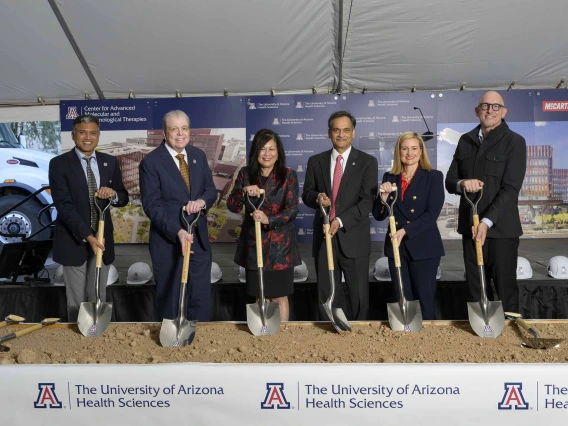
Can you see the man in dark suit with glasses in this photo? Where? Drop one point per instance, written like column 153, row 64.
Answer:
column 494, row 157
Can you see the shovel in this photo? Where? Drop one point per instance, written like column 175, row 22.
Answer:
column 535, row 342
column 263, row 318
column 404, row 315
column 486, row 318
column 180, row 331
column 11, row 319
column 335, row 315
column 94, row 317
column 44, row 323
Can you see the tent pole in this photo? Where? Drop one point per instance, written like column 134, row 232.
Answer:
column 339, row 87
column 75, row 46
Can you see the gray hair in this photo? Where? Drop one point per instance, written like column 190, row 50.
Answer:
column 86, row 118
column 174, row 113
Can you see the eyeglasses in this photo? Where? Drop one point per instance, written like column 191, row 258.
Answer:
column 495, row 107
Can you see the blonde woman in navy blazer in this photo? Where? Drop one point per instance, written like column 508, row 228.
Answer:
column 420, row 200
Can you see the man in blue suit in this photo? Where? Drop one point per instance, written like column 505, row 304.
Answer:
column 419, row 201
column 174, row 175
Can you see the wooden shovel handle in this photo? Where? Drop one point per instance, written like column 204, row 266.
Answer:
column 258, row 238
column 100, row 239
column 328, row 248
column 478, row 247
column 28, row 330
column 185, row 268
column 392, row 227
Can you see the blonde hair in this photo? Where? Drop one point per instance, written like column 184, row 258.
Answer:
column 397, row 163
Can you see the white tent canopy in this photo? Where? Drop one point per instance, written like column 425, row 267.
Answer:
column 157, row 48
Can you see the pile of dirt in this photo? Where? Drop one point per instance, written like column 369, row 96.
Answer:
column 375, row 342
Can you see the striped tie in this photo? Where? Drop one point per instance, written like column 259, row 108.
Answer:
column 337, row 175
column 92, row 184
column 184, row 169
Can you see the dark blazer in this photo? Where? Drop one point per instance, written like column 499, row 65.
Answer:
column 279, row 247
column 70, row 194
column 417, row 214
column 355, row 199
column 499, row 162
column 164, row 192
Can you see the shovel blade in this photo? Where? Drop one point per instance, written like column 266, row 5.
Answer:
column 337, row 317
column 413, row 320
column 491, row 327
column 175, row 333
column 541, row 343
column 93, row 322
column 271, row 320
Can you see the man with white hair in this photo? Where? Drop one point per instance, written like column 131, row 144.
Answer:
column 176, row 174
column 494, row 157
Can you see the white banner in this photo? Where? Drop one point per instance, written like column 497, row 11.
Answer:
column 285, row 394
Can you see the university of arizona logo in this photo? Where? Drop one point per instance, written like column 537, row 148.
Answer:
column 407, row 328
column 264, row 329
column 275, row 397
column 46, row 397
column 71, row 113
column 513, row 398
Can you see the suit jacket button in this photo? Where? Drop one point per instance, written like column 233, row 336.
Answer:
column 414, row 197
column 396, row 223
column 391, row 197
column 407, row 221
column 411, row 210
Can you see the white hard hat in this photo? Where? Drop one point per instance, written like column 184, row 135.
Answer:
column 59, row 276
column 438, row 272
column 242, row 274
column 558, row 267
column 216, row 273
column 301, row 273
column 381, row 272
column 524, row 270
column 139, row 273
column 112, row 275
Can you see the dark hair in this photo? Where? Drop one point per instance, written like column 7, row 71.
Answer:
column 339, row 114
column 86, row 118
column 262, row 137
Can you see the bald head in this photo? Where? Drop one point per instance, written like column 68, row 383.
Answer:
column 491, row 97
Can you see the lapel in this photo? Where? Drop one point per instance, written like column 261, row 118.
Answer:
column 77, row 169
column 172, row 168
column 325, row 161
column 104, row 174
column 192, row 163
column 350, row 171
column 399, row 205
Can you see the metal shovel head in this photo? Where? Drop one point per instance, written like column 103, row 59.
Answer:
column 541, row 343
column 413, row 322
column 174, row 333
column 495, row 323
column 337, row 317
column 93, row 322
column 271, row 320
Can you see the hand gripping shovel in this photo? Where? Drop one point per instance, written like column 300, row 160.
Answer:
column 44, row 323
column 335, row 315
column 94, row 317
column 404, row 315
column 11, row 319
column 180, row 331
column 263, row 318
column 486, row 318
column 535, row 342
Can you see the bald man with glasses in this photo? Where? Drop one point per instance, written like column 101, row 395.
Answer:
column 494, row 158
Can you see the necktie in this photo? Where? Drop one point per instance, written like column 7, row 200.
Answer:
column 92, row 185
column 337, row 175
column 184, row 169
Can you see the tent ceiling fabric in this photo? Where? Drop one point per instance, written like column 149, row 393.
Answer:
column 35, row 57
column 201, row 47
column 442, row 44
column 156, row 48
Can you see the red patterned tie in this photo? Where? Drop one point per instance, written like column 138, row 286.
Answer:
column 337, row 175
